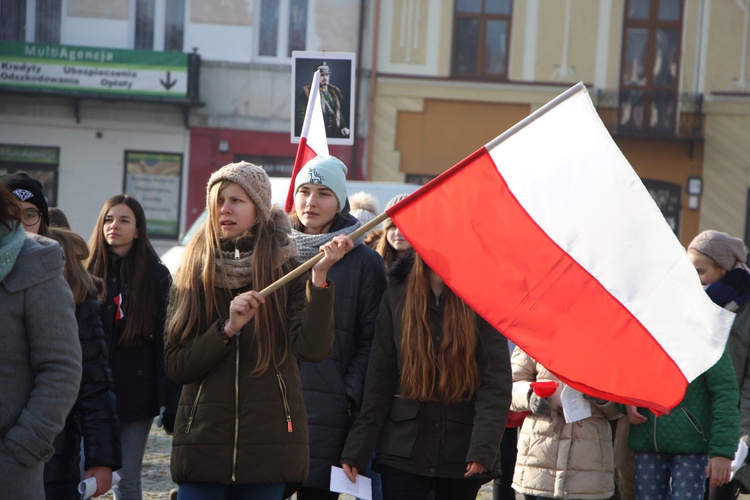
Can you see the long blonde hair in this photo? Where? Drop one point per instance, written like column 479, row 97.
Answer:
column 447, row 372
column 76, row 251
column 196, row 281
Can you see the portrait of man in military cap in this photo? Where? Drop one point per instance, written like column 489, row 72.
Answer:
column 336, row 98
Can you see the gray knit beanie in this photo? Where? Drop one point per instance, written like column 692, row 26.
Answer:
column 252, row 179
column 395, row 200
column 725, row 250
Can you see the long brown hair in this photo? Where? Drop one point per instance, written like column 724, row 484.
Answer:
column 447, row 372
column 135, row 273
column 10, row 208
column 76, row 251
column 196, row 280
column 384, row 248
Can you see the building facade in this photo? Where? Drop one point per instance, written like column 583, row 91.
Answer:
column 435, row 80
column 669, row 78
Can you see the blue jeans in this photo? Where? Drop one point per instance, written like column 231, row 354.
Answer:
column 216, row 491
column 133, row 436
column 666, row 476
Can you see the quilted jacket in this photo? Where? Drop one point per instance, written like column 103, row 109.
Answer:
column 705, row 422
column 556, row 459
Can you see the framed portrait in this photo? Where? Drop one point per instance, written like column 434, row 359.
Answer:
column 337, row 93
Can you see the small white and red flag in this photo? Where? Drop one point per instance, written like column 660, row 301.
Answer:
column 312, row 141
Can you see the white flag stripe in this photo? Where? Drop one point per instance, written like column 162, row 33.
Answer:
column 314, row 127
column 580, row 189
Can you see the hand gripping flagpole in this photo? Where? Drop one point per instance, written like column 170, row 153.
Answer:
column 306, row 266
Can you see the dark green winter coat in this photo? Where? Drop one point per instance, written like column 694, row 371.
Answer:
column 236, row 428
column 705, row 422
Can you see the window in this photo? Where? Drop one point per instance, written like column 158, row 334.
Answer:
column 481, row 36
column 13, row 21
column 283, row 27
column 47, row 22
column 650, row 63
column 174, row 31
column 148, row 36
column 144, row 24
column 45, row 17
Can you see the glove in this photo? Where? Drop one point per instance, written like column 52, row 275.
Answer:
column 168, row 422
column 538, row 406
column 598, row 401
column 160, row 418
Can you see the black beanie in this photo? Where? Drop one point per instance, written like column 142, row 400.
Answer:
column 27, row 189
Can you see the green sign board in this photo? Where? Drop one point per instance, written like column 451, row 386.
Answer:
column 30, row 66
column 11, row 153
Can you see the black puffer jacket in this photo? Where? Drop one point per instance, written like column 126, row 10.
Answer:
column 141, row 385
column 333, row 389
column 94, row 416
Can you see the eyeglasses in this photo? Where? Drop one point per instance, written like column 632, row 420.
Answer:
column 30, row 217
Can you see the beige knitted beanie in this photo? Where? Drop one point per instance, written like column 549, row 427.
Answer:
column 252, row 179
column 724, row 249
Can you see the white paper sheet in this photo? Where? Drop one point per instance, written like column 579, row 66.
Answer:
column 575, row 406
column 340, row 483
column 739, row 458
column 88, row 487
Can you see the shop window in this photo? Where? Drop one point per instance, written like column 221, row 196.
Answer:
column 39, row 162
column 668, row 197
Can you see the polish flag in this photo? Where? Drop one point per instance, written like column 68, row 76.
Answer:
column 549, row 234
column 312, row 141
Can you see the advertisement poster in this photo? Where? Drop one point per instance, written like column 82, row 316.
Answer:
column 155, row 180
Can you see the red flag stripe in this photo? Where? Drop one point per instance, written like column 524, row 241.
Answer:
column 533, row 308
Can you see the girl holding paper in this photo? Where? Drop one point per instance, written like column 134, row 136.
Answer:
column 333, row 388
column 558, row 459
column 133, row 314
column 241, row 427
column 436, row 392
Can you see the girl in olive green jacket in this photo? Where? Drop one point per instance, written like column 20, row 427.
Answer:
column 241, row 427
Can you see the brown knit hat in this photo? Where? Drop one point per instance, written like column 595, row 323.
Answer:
column 724, row 249
column 252, row 179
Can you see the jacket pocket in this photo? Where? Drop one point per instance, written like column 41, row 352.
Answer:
column 400, row 429
column 459, row 423
column 194, row 409
column 695, row 424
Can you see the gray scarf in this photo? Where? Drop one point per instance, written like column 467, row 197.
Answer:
column 309, row 244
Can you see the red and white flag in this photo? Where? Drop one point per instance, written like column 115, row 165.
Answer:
column 549, row 234
column 312, row 141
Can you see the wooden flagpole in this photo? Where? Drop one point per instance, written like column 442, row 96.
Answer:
column 306, row 266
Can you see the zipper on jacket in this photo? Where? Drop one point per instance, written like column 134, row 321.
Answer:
column 282, row 388
column 656, row 446
column 236, row 405
column 194, row 408
column 693, row 421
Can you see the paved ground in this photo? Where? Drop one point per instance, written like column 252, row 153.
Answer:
column 157, row 481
